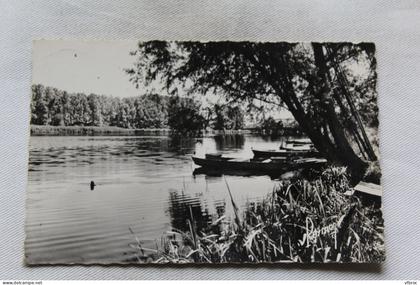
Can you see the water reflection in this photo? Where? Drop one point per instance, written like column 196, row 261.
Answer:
column 146, row 184
column 212, row 172
column 182, row 145
column 186, row 212
column 231, row 141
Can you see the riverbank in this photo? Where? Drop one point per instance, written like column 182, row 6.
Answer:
column 38, row 130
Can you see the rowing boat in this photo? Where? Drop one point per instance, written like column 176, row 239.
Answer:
column 285, row 153
column 267, row 165
column 273, row 164
column 299, row 141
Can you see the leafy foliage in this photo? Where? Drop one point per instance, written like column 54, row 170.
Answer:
column 184, row 116
column 227, row 117
column 54, row 107
column 51, row 106
column 272, row 127
column 318, row 83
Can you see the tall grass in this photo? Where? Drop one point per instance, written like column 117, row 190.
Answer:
column 300, row 221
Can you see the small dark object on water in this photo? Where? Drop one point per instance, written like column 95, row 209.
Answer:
column 92, row 185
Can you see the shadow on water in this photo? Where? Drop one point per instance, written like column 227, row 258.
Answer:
column 184, row 209
column 209, row 172
column 226, row 142
column 182, row 144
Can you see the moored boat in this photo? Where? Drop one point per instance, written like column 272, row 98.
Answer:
column 273, row 164
column 285, row 153
column 267, row 165
column 299, row 142
column 298, row 148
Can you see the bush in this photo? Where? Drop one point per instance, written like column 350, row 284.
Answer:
column 184, row 116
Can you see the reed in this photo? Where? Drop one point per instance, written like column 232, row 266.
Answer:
column 301, row 221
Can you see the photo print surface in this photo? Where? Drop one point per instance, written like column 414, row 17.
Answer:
column 203, row 152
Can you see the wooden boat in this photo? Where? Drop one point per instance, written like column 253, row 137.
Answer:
column 298, row 145
column 267, row 165
column 273, row 164
column 299, row 142
column 298, row 148
column 218, row 172
column 289, row 153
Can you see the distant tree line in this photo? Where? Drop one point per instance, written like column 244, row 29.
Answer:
column 54, row 107
column 51, row 106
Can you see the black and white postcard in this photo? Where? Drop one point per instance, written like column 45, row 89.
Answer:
column 204, row 152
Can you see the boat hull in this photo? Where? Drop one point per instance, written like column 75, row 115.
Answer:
column 285, row 153
column 300, row 142
column 258, row 165
column 240, row 165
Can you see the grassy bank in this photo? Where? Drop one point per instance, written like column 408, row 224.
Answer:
column 40, row 130
column 37, row 130
column 301, row 221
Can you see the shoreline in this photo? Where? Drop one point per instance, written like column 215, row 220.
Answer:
column 44, row 130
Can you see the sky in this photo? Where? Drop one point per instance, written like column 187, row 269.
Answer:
column 85, row 66
column 91, row 67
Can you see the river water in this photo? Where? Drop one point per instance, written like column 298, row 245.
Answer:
column 145, row 184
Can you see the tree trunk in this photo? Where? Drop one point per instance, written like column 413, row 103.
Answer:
column 279, row 78
column 344, row 152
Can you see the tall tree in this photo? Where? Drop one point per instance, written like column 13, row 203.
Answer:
column 184, row 116
column 50, row 106
column 301, row 77
column 95, row 108
column 227, row 117
column 39, row 107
